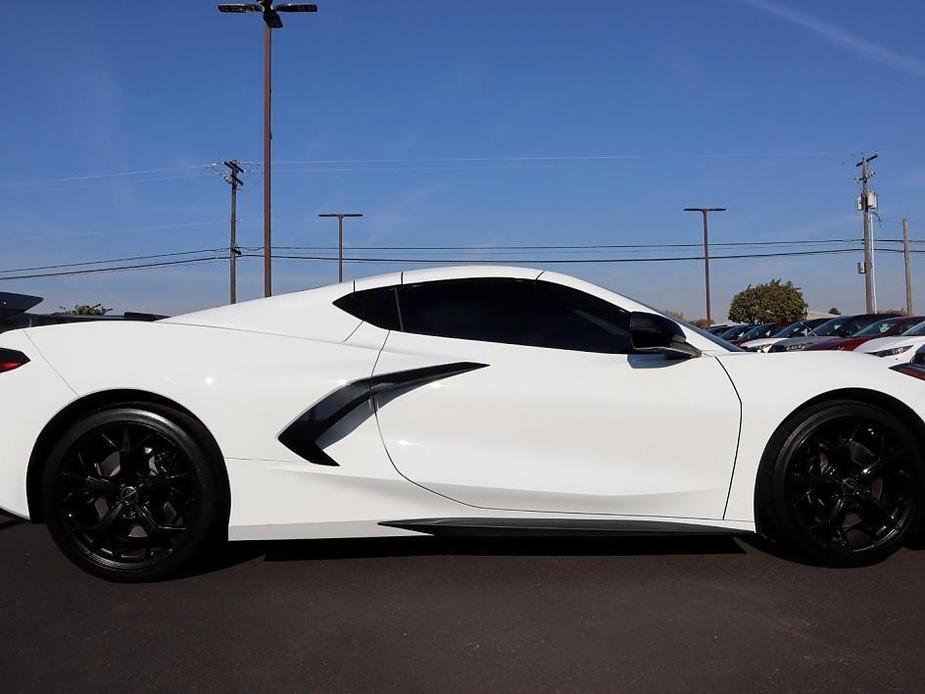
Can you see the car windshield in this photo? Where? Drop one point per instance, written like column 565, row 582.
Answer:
column 917, row 330
column 760, row 330
column 798, row 329
column 878, row 328
column 735, row 332
column 838, row 327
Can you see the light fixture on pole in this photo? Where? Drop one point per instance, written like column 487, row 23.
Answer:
column 340, row 238
column 705, row 211
column 272, row 21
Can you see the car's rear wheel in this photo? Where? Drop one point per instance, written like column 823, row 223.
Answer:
column 842, row 483
column 133, row 493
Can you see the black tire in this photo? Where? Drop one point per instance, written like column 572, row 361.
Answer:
column 841, row 484
column 134, row 492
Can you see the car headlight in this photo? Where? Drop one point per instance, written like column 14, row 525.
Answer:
column 892, row 352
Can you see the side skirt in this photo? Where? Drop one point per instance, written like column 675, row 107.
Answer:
column 552, row 527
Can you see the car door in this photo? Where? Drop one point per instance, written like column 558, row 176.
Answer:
column 554, row 412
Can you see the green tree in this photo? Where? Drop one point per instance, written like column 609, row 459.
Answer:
column 86, row 310
column 765, row 303
column 834, row 311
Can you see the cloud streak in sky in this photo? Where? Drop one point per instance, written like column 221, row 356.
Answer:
column 842, row 38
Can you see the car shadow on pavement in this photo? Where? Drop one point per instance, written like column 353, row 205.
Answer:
column 9, row 521
column 234, row 553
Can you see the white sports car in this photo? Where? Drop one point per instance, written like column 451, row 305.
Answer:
column 460, row 401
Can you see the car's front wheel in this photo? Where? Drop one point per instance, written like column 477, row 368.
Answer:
column 132, row 493
column 842, row 483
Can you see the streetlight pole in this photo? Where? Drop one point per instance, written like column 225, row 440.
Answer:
column 272, row 21
column 705, row 211
column 340, row 238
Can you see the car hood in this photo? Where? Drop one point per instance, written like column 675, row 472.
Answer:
column 843, row 343
column 762, row 341
column 806, row 340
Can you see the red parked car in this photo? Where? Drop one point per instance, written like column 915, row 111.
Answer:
column 886, row 327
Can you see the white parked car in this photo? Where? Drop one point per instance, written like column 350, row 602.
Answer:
column 898, row 349
column 459, row 401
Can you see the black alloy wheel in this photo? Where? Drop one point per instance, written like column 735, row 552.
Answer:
column 846, row 485
column 130, row 494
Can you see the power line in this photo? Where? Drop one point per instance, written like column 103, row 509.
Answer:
column 121, row 268
column 571, row 260
column 606, row 246
column 4, row 273
column 111, row 260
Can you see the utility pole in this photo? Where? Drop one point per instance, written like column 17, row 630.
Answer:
column 705, row 211
column 340, row 238
column 233, row 251
column 272, row 21
column 866, row 203
column 907, row 258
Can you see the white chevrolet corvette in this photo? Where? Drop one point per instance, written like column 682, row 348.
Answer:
column 461, row 401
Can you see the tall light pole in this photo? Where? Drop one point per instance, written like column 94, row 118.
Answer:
column 705, row 211
column 271, row 21
column 340, row 238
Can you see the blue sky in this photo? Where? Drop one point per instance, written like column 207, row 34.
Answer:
column 505, row 123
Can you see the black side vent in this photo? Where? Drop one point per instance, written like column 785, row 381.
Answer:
column 301, row 437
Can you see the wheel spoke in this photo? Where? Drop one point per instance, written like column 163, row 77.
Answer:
column 860, row 455
column 91, row 483
column 104, row 527
column 161, row 482
column 152, row 526
column 875, row 467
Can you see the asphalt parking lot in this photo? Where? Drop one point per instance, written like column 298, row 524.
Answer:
column 429, row 615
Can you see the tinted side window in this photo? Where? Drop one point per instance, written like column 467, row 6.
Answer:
column 377, row 306
column 512, row 311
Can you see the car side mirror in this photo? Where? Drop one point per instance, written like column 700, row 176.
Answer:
column 653, row 333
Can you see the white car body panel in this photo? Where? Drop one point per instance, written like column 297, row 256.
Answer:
column 558, row 431
column 883, row 343
column 771, row 389
column 30, row 395
column 537, row 432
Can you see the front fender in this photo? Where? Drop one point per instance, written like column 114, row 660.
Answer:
column 774, row 386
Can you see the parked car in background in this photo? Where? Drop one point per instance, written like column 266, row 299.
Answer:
column 735, row 332
column 901, row 348
column 799, row 329
column 888, row 327
column 761, row 330
column 718, row 329
column 840, row 326
column 919, row 358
